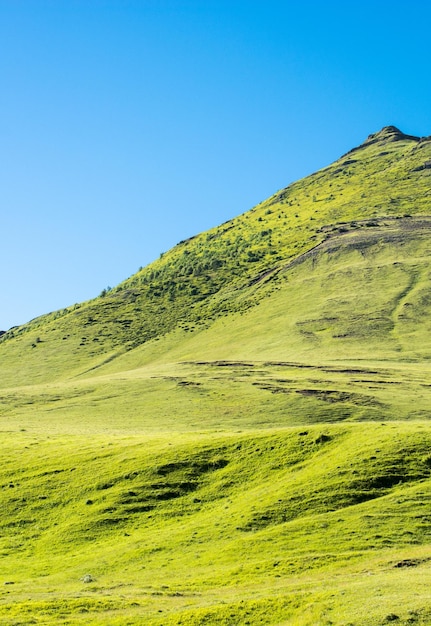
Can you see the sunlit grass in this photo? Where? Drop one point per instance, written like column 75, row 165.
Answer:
column 265, row 526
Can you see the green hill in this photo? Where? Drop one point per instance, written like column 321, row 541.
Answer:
column 238, row 433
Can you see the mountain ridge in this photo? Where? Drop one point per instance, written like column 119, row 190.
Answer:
column 201, row 278
column 387, row 133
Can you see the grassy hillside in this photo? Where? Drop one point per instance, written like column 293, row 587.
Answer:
column 221, row 271
column 239, row 433
column 341, row 333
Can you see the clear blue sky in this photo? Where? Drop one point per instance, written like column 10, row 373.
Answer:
column 128, row 125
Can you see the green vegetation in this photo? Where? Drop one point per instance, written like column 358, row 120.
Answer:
column 239, row 433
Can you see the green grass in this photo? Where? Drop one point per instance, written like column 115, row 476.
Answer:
column 333, row 522
column 239, row 433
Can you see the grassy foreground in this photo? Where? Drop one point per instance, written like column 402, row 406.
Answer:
column 333, row 527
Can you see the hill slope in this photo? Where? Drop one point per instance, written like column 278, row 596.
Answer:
column 222, row 271
column 239, row 433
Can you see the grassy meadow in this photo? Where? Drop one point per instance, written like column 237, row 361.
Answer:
column 239, row 433
column 327, row 524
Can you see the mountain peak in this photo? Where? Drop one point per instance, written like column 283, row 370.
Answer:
column 389, row 134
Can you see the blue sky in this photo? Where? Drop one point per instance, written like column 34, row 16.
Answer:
column 129, row 125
